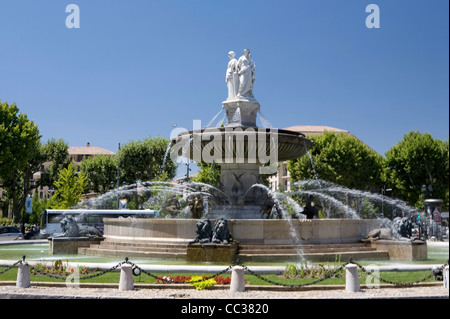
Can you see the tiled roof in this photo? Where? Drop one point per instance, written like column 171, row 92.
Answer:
column 88, row 150
column 319, row 129
column 314, row 129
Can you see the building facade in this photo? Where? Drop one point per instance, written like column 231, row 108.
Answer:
column 76, row 154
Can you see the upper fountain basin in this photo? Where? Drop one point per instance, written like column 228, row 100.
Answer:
column 240, row 144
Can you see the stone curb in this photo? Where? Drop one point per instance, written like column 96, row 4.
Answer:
column 218, row 287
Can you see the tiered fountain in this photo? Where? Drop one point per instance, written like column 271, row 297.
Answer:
column 245, row 152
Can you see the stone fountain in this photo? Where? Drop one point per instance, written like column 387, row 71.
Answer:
column 243, row 150
column 245, row 153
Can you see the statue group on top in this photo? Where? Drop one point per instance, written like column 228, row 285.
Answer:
column 240, row 76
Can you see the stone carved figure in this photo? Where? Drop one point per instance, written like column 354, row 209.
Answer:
column 70, row 228
column 172, row 206
column 378, row 233
column 232, row 76
column 196, row 207
column 253, row 67
column 399, row 229
column 402, row 227
column 204, row 231
column 246, row 71
column 221, row 232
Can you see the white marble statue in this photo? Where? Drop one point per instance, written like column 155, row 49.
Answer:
column 246, row 71
column 232, row 77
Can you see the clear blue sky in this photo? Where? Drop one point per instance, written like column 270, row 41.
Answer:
column 134, row 68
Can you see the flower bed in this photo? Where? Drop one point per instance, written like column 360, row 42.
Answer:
column 199, row 282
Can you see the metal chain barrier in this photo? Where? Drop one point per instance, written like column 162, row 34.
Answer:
column 10, row 267
column 171, row 281
column 404, row 284
column 336, row 271
column 299, row 285
column 81, row 277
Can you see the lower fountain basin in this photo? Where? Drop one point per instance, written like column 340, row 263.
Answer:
column 258, row 240
column 264, row 231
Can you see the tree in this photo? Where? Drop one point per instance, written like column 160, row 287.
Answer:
column 19, row 146
column 56, row 152
column 418, row 160
column 38, row 206
column 339, row 158
column 100, row 171
column 145, row 160
column 69, row 187
column 209, row 173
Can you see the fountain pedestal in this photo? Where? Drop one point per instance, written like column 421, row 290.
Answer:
column 211, row 252
column 241, row 112
column 402, row 250
column 70, row 245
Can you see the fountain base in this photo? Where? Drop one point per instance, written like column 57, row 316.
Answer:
column 259, row 240
column 402, row 250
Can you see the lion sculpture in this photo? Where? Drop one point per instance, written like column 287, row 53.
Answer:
column 221, row 232
column 204, row 231
column 70, row 228
column 399, row 229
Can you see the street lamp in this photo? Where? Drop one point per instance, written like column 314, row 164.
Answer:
column 383, row 192
column 424, row 191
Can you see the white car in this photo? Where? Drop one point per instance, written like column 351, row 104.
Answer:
column 9, row 233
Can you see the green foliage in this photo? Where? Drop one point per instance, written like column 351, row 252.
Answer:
column 314, row 270
column 143, row 160
column 416, row 160
column 38, row 206
column 209, row 173
column 100, row 171
column 56, row 152
column 6, row 221
column 19, row 153
column 69, row 187
column 339, row 158
column 18, row 135
column 59, row 268
column 366, row 209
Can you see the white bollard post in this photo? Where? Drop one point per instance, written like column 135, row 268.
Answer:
column 446, row 285
column 351, row 278
column 23, row 276
column 126, row 278
column 237, row 279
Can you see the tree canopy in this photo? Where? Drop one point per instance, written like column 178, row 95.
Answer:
column 339, row 158
column 101, row 171
column 145, row 160
column 18, row 136
column 418, row 159
column 19, row 153
column 69, row 187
